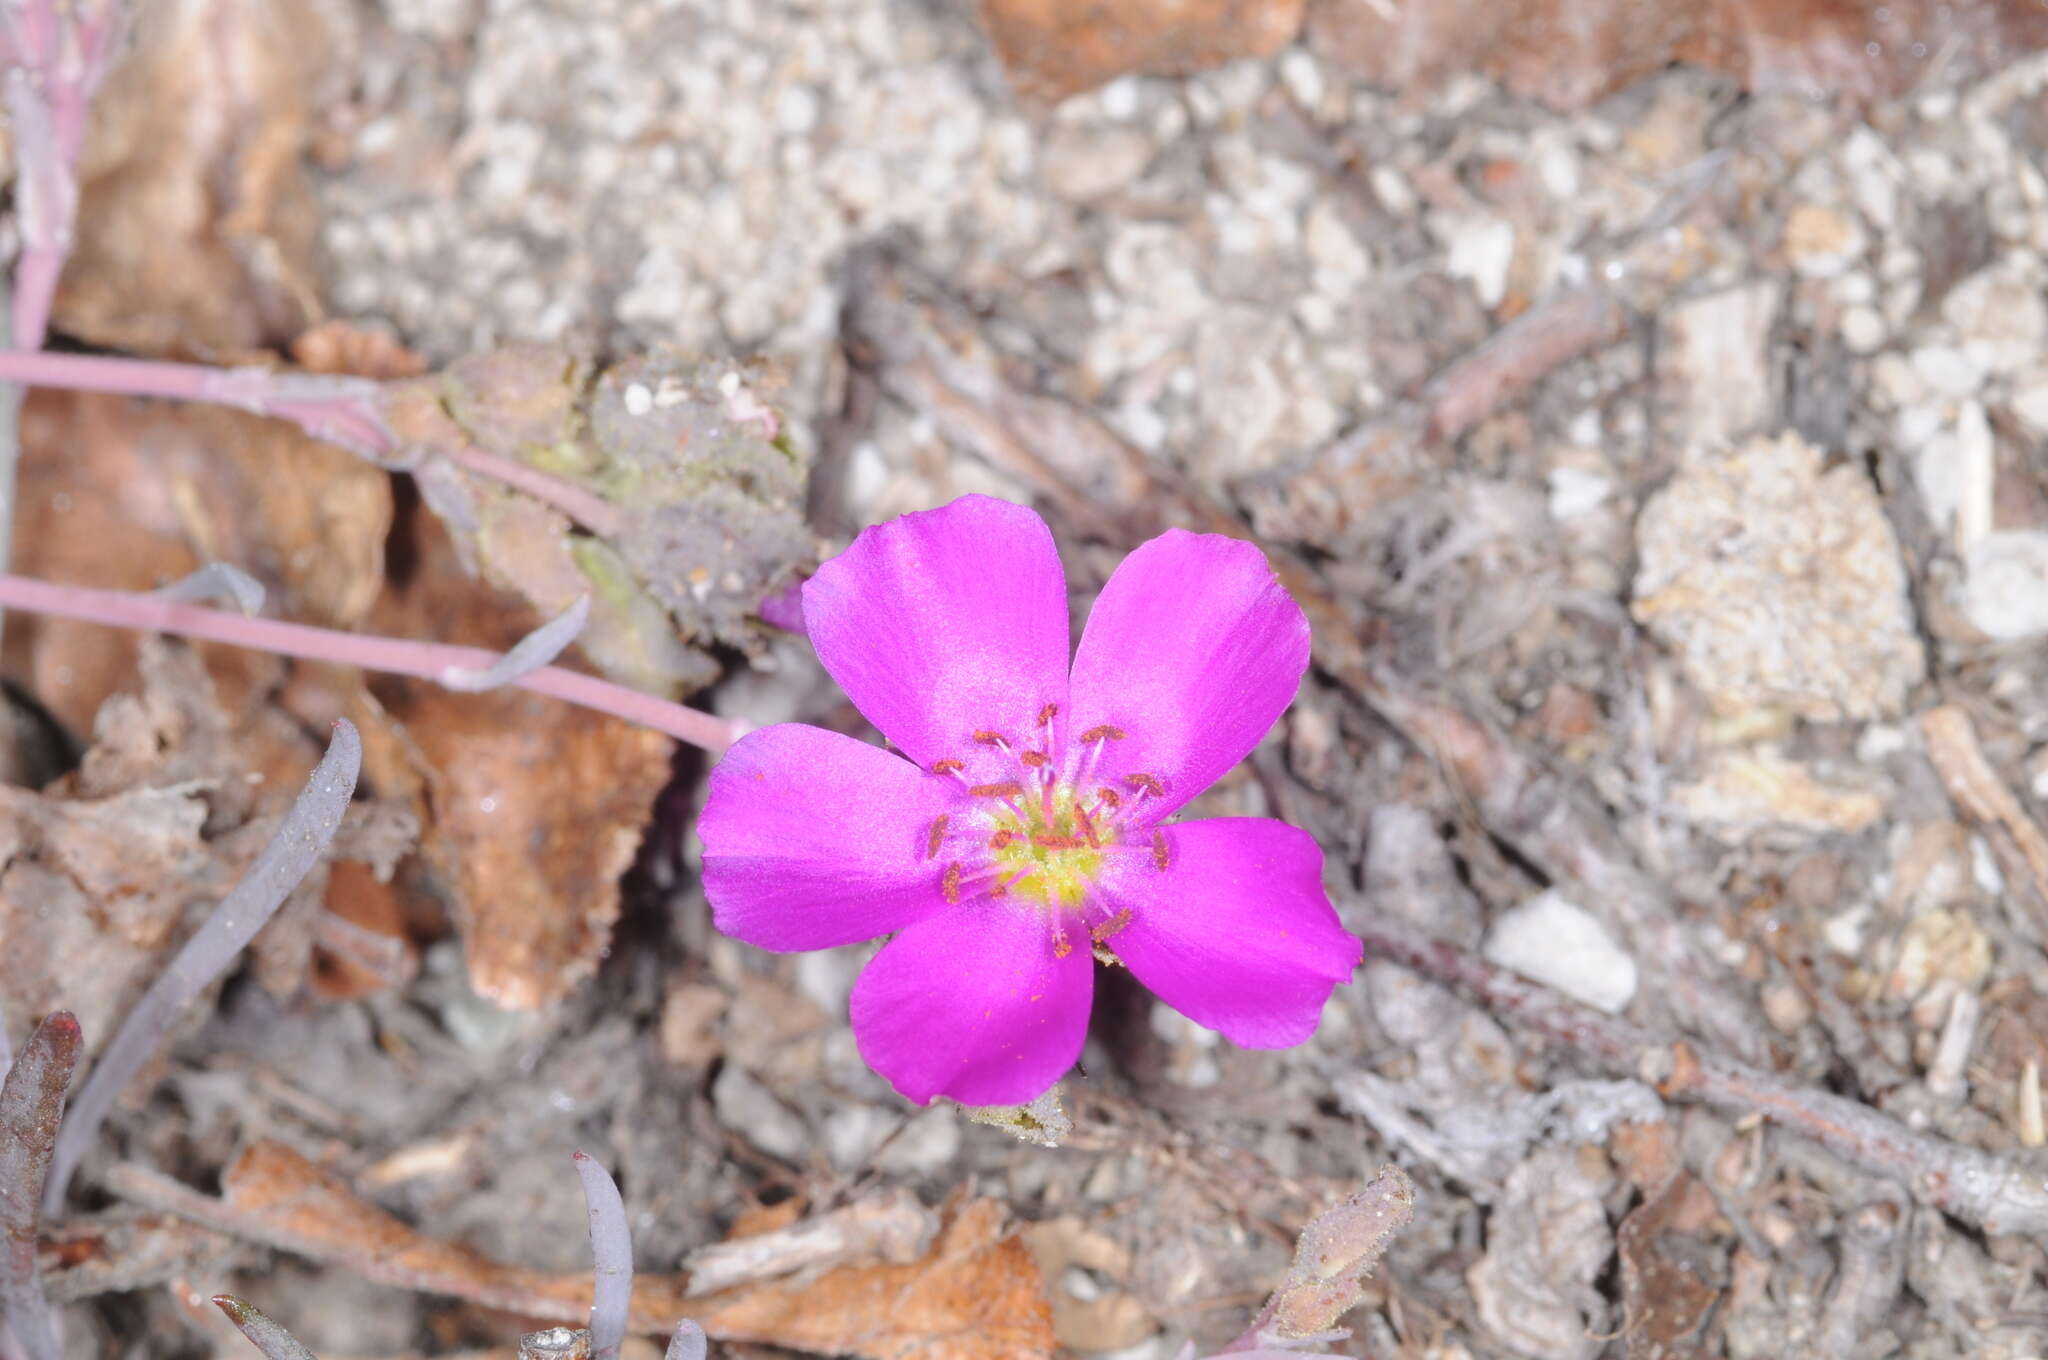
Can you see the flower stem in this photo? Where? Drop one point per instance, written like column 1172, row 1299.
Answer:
column 398, row 656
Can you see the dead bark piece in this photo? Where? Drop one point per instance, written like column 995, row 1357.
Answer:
column 196, row 223
column 1667, row 1273
column 1054, row 48
column 892, row 1226
column 1976, row 1186
column 1546, row 1242
column 1982, row 796
column 976, row 1295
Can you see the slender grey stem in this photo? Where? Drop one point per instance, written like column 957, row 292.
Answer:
column 301, row 838
column 611, row 1249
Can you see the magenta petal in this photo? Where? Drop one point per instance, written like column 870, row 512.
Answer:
column 945, row 623
column 975, row 1005
column 1236, row 932
column 1193, row 650
column 813, row 839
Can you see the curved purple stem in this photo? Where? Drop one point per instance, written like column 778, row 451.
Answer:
column 398, row 656
column 301, row 838
column 611, row 1250
column 531, row 653
column 687, row 1343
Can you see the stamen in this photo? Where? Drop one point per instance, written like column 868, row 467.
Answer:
column 1047, row 714
column 1111, row 799
column 1103, row 733
column 1033, row 758
column 1048, row 841
column 987, row 738
column 1010, row 790
column 1111, row 928
column 948, row 766
column 1146, row 782
column 1061, row 945
column 1001, row 839
column 1159, row 855
column 950, row 885
column 1087, row 826
column 938, row 834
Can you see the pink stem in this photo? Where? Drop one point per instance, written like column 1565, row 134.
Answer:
column 339, row 410
column 398, row 656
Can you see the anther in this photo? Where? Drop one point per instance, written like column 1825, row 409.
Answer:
column 1159, row 855
column 1087, row 826
column 987, row 738
column 1061, row 945
column 950, row 885
column 948, row 766
column 1033, row 758
column 938, row 834
column 1110, row 797
column 1146, row 782
column 1048, row 841
column 1112, row 927
column 1047, row 714
column 1010, row 790
column 1103, row 733
column 1001, row 839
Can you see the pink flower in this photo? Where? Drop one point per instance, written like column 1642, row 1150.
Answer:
column 1028, row 829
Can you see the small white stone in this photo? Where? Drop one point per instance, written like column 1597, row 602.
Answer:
column 1479, row 249
column 1948, row 370
column 2005, row 587
column 639, row 401
column 1333, row 248
column 1576, row 491
column 1863, row 330
column 796, row 112
column 1391, row 188
column 1562, row 945
column 1303, row 78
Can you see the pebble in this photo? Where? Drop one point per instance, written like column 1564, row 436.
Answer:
column 1562, row 945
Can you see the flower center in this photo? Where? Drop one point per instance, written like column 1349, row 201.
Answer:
column 1045, row 825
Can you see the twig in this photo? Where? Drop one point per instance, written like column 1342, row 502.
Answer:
column 31, row 1108
column 1507, row 363
column 611, row 1251
column 1545, row 817
column 265, row 1335
column 1967, row 1182
column 397, row 656
column 301, row 838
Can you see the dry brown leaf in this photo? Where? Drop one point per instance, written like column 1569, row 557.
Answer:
column 108, row 870
column 532, row 808
column 196, row 224
column 1666, row 1287
column 1054, row 48
column 1569, row 53
column 133, row 495
column 976, row 1296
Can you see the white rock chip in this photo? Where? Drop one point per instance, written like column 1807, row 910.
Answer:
column 2005, row 587
column 1560, row 944
column 1779, row 585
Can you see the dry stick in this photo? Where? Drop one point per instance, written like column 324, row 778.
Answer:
column 1549, row 819
column 611, row 1251
column 301, row 838
column 263, row 1333
column 31, row 1109
column 398, row 656
column 1967, row 1182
